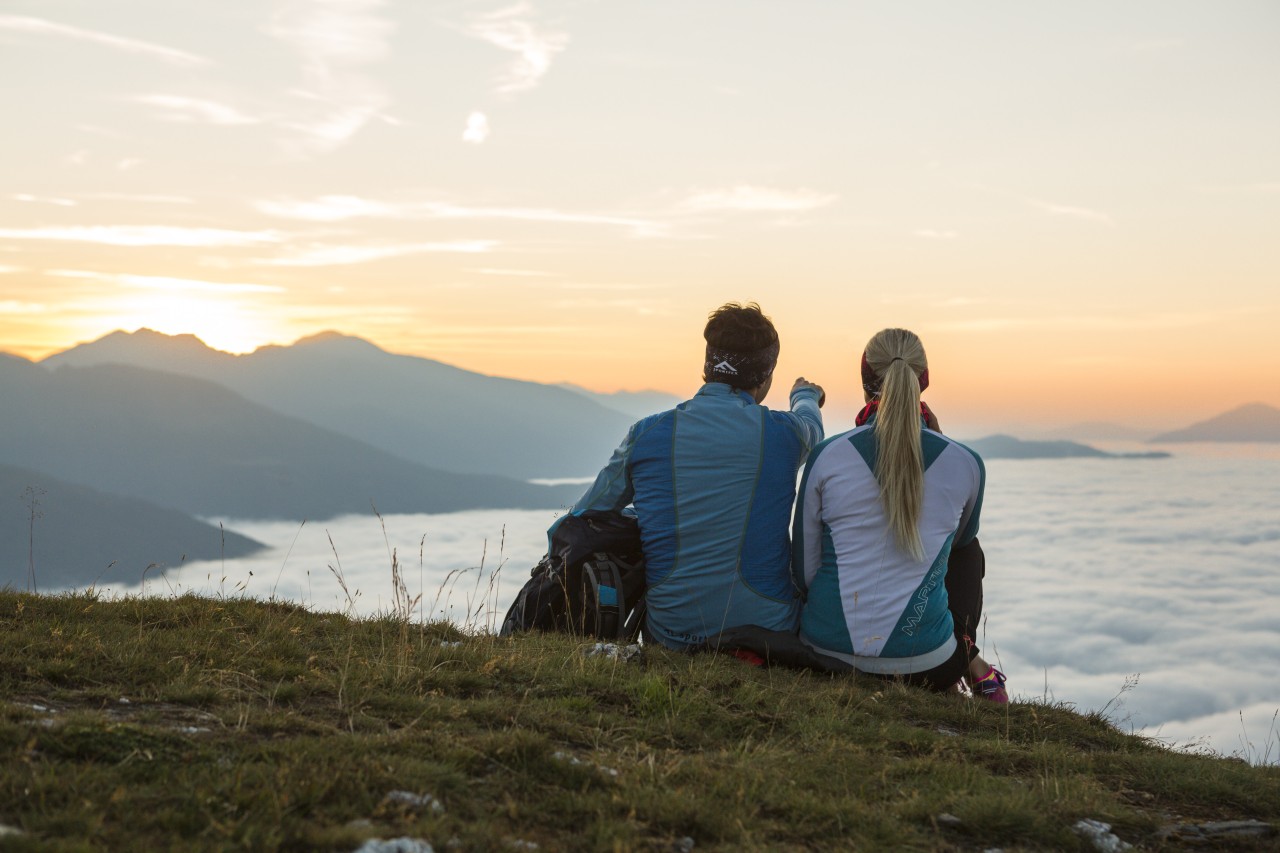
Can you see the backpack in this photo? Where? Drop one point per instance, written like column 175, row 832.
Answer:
column 590, row 584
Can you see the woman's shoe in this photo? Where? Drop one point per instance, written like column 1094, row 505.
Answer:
column 991, row 687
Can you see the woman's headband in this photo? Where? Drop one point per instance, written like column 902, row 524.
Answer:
column 871, row 382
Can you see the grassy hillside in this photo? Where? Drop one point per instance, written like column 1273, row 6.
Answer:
column 199, row 724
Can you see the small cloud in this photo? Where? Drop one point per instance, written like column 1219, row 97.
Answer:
column 179, row 109
column 477, row 130
column 18, row 23
column 513, row 29
column 128, row 164
column 78, row 158
column 329, row 208
column 745, row 198
column 58, row 202
column 1073, row 212
column 328, row 256
column 154, row 282
column 931, row 234
column 5, row 269
column 143, row 235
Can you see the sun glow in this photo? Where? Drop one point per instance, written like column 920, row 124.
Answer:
column 226, row 324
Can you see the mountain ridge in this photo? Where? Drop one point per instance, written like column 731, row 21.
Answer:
column 419, row 409
column 199, row 447
column 1251, row 422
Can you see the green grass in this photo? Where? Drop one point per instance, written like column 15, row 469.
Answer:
column 267, row 727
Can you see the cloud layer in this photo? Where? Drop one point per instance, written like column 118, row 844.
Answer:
column 1143, row 587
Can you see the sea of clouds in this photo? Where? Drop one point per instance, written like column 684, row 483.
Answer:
column 1146, row 587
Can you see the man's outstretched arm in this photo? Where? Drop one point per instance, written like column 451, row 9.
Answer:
column 806, row 400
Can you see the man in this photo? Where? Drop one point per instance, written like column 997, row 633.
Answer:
column 712, row 482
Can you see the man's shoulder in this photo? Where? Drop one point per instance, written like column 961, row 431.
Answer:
column 653, row 421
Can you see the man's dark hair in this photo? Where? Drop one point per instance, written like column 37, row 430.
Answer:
column 734, row 327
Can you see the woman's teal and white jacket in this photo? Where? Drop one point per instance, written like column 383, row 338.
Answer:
column 868, row 602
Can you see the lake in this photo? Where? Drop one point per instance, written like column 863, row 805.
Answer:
column 1146, row 587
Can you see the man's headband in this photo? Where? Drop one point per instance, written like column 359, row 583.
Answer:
column 740, row 369
column 871, row 382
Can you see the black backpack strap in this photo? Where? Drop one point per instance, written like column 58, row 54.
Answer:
column 603, row 588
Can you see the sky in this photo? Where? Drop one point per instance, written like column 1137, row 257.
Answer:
column 1077, row 206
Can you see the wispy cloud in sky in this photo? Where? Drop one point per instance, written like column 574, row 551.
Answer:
column 41, row 26
column 336, row 208
column 934, row 234
column 749, row 199
column 53, row 200
column 329, row 256
column 334, row 39
column 155, row 282
column 17, row 306
column 143, row 235
column 178, row 108
column 514, row 29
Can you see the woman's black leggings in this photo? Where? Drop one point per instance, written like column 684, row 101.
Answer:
column 966, row 568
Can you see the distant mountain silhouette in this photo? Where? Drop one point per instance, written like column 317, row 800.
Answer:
column 195, row 446
column 633, row 404
column 1250, row 422
column 1096, row 431
column 1008, row 447
column 416, row 408
column 83, row 537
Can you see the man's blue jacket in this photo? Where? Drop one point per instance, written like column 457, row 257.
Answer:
column 712, row 482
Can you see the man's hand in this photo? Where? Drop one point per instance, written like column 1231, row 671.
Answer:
column 805, row 383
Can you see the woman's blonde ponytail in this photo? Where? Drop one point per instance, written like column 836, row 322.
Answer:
column 897, row 357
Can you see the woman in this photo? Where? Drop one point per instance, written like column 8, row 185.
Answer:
column 883, row 509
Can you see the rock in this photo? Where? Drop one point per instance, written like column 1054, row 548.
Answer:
column 1101, row 835
column 413, row 802
column 614, row 651
column 1219, row 830
column 945, row 819
column 395, row 845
